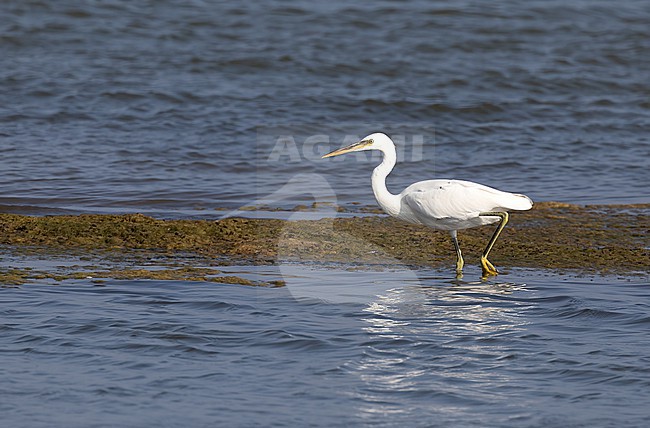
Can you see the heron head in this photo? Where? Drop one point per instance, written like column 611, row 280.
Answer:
column 372, row 142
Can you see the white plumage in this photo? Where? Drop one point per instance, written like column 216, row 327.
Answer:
column 440, row 204
column 456, row 204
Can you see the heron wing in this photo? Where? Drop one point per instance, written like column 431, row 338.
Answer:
column 457, row 199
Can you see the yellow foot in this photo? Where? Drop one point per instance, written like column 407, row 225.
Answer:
column 459, row 268
column 488, row 268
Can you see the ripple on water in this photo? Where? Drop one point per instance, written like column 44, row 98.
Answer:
column 529, row 350
column 522, row 84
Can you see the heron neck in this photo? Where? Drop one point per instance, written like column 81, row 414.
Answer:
column 389, row 203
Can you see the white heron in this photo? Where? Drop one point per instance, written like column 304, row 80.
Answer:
column 450, row 205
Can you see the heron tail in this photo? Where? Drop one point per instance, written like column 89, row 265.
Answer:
column 518, row 202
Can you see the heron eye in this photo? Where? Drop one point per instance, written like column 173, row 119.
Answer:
column 371, row 141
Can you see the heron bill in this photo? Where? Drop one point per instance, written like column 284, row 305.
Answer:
column 351, row 148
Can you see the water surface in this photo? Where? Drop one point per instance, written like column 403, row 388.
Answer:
column 392, row 348
column 173, row 107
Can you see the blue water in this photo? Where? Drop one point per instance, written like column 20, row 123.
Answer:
column 362, row 349
column 194, row 108
column 176, row 107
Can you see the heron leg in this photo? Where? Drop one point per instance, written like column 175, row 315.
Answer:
column 459, row 256
column 488, row 268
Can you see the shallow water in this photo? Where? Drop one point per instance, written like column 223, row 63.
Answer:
column 176, row 108
column 173, row 108
column 390, row 348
